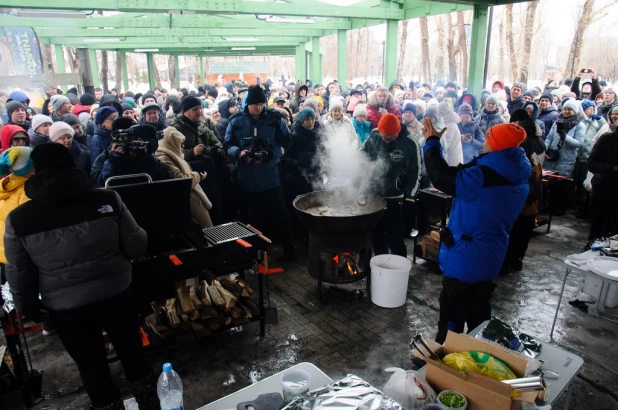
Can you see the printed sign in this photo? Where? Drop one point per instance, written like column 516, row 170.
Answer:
column 24, row 50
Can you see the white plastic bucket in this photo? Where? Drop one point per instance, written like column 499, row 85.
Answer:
column 389, row 280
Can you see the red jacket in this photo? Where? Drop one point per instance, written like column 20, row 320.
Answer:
column 374, row 115
column 7, row 134
column 78, row 109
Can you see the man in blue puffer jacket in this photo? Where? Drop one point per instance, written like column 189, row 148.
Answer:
column 489, row 193
column 255, row 140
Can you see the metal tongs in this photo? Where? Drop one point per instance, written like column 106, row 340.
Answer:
column 418, row 338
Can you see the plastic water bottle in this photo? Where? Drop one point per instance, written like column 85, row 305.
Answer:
column 169, row 389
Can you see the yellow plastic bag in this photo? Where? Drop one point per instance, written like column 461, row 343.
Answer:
column 479, row 362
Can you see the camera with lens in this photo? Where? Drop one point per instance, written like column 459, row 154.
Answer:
column 139, row 140
column 258, row 150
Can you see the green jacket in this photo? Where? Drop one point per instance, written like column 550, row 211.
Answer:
column 195, row 135
column 402, row 159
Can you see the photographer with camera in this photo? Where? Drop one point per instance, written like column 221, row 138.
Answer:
column 256, row 140
column 131, row 152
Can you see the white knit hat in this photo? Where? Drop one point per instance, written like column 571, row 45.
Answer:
column 58, row 129
column 333, row 105
column 361, row 109
column 39, row 120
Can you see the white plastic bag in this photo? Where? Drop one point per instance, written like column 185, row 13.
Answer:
column 408, row 388
column 588, row 182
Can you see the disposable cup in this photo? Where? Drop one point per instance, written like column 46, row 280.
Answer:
column 294, row 382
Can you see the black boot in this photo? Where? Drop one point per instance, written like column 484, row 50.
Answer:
column 145, row 393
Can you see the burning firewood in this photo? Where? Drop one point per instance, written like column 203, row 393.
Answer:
column 228, row 297
column 172, row 314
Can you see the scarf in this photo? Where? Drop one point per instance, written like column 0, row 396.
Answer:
column 186, row 169
column 569, row 122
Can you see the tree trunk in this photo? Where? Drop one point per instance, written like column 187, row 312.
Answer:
column 463, row 49
column 104, row 71
column 501, row 56
column 171, row 69
column 585, row 18
column 403, row 39
column 440, row 23
column 528, row 31
column 48, row 60
column 156, row 71
column 425, row 62
column 450, row 48
column 73, row 59
column 509, row 41
column 119, row 73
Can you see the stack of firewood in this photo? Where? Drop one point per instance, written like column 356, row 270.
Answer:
column 218, row 301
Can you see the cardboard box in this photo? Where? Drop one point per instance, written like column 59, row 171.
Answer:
column 482, row 392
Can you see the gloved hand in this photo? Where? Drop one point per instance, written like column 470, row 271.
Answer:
column 562, row 134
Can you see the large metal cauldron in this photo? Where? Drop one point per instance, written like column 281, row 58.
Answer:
column 337, row 214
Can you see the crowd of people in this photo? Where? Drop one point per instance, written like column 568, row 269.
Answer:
column 251, row 149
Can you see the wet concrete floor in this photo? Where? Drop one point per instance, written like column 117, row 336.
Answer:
column 348, row 334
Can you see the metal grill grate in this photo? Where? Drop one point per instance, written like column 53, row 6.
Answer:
column 227, row 232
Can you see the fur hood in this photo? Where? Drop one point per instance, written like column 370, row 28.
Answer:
column 372, row 100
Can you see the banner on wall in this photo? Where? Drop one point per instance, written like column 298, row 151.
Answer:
column 24, row 50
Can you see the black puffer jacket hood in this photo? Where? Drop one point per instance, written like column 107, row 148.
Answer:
column 53, row 186
column 108, row 98
column 224, row 107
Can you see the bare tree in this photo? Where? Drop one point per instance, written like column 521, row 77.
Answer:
column 156, row 72
column 462, row 48
column 403, row 39
column 527, row 40
column 501, row 56
column 48, row 61
column 450, row 48
column 425, row 61
column 171, row 69
column 118, row 72
column 440, row 23
column 104, row 71
column 509, row 40
column 73, row 59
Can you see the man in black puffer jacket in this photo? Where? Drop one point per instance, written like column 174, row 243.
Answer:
column 73, row 245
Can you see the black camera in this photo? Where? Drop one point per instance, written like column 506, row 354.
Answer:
column 139, row 140
column 257, row 149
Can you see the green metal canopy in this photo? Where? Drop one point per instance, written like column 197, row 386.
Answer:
column 237, row 27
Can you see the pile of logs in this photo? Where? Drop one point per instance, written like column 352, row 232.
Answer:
column 218, row 301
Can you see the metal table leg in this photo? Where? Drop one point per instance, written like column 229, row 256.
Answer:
column 566, row 275
column 568, row 396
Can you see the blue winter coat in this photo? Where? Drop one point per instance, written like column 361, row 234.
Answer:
column 569, row 150
column 473, row 148
column 363, row 129
column 488, row 195
column 16, row 96
column 101, row 139
column 548, row 117
column 485, row 120
column 275, row 134
column 535, row 116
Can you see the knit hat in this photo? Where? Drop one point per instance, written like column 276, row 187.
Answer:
column 360, row 109
column 189, row 102
column 71, row 119
column 432, row 111
column 304, row 114
column 529, row 94
column 150, row 106
column 520, row 115
column 39, row 120
column 492, row 99
column 51, row 156
column 568, row 94
column 521, row 86
column 451, row 94
column 122, row 123
column 16, row 160
column 572, row 104
column 503, row 136
column 12, row 106
column 410, row 107
column 127, row 107
column 73, row 98
column 389, row 125
column 255, row 95
column 587, row 104
column 465, row 109
column 87, row 99
column 504, row 105
column 57, row 101
column 556, row 93
column 58, row 129
column 445, row 106
column 548, row 96
column 335, row 104
column 103, row 113
column 148, row 95
column 501, row 95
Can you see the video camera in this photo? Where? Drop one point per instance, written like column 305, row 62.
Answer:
column 258, row 149
column 139, row 140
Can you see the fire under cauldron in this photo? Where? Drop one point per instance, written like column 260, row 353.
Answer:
column 339, row 234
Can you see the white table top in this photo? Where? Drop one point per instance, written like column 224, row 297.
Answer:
column 270, row 384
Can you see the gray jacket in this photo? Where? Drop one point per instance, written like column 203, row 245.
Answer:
column 70, row 243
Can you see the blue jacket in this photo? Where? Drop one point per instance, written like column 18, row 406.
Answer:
column 474, row 148
column 363, row 129
column 548, row 117
column 275, row 134
column 569, row 148
column 101, row 139
column 16, row 96
column 488, row 195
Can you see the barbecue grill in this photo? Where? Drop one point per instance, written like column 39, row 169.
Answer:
column 232, row 231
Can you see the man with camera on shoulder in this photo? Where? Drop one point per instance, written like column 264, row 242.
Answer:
column 131, row 152
column 256, row 140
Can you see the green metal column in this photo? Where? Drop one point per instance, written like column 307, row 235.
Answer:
column 390, row 52
column 95, row 68
column 315, row 71
column 125, row 76
column 151, row 71
column 301, row 63
column 177, row 71
column 202, row 77
column 477, row 49
column 60, row 61
column 342, row 56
